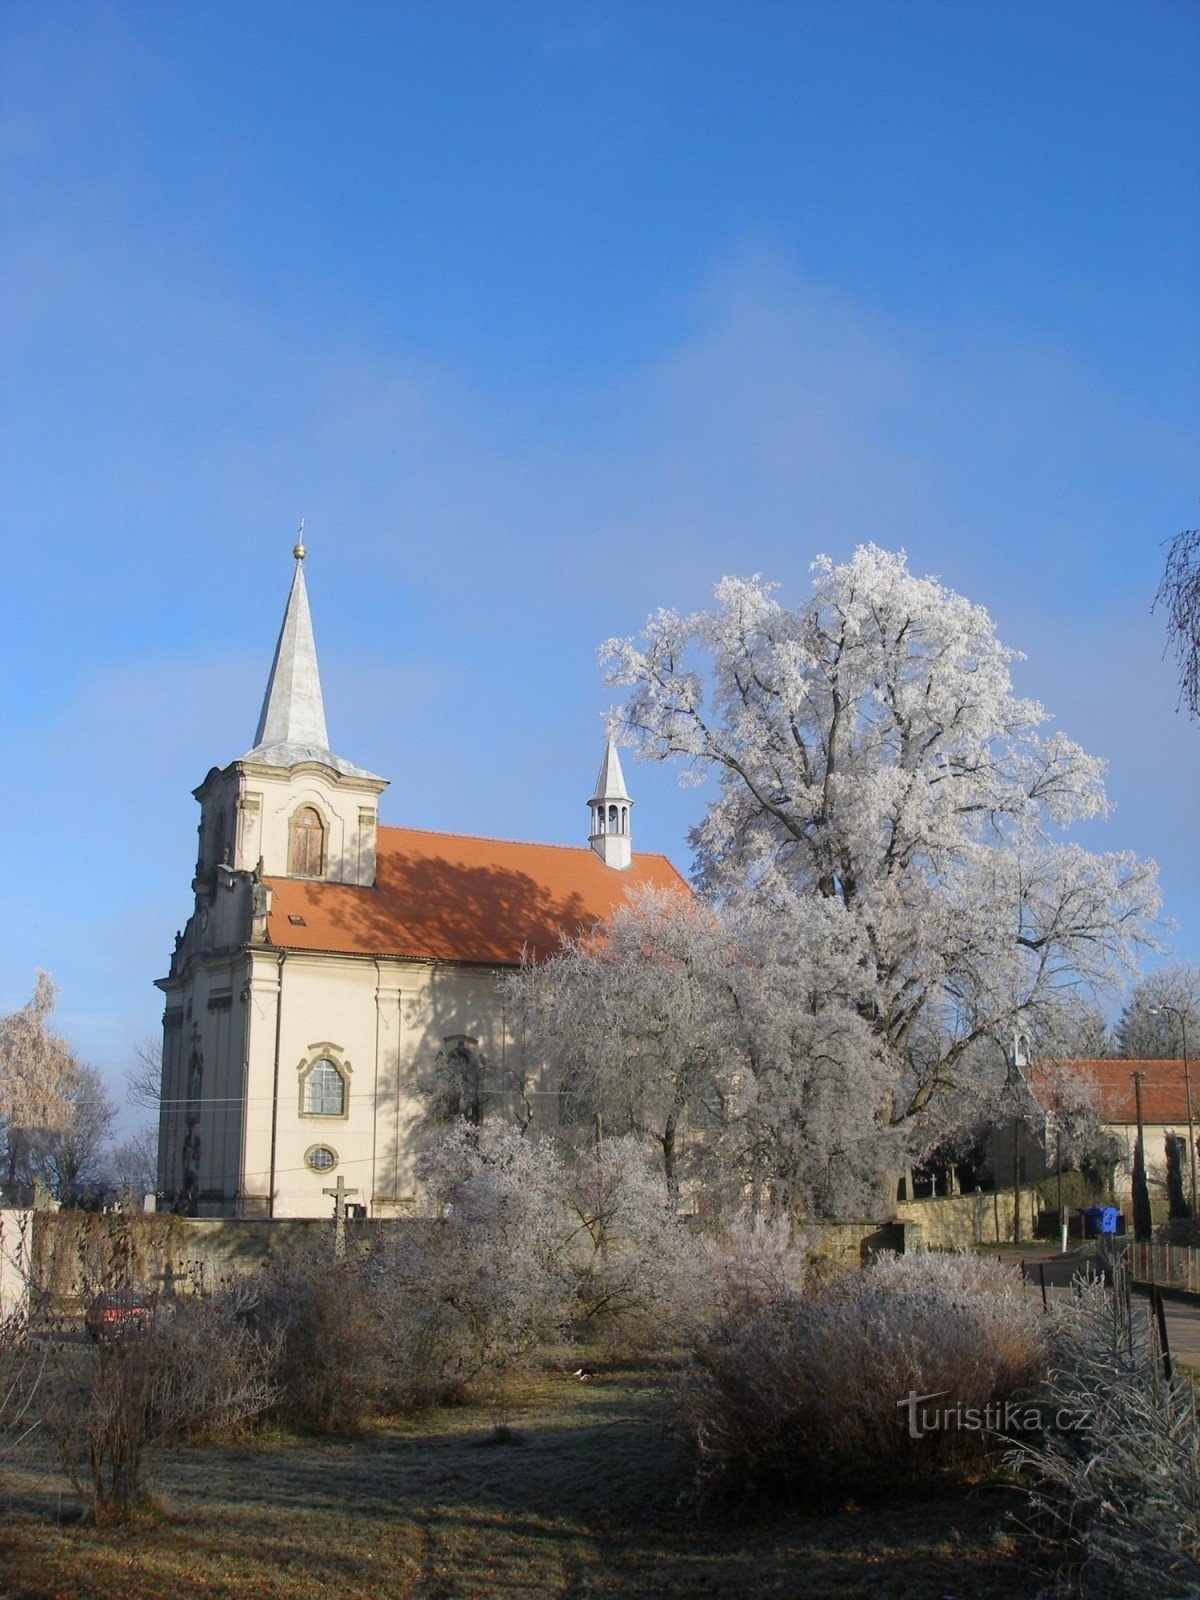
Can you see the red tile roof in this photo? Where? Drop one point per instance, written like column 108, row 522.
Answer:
column 449, row 897
column 1164, row 1097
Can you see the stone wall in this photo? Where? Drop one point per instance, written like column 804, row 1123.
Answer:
column 957, row 1222
column 960, row 1221
column 76, row 1252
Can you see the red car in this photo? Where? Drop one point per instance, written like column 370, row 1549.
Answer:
column 116, row 1311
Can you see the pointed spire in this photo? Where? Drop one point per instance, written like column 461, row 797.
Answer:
column 293, row 711
column 610, row 806
column 292, row 727
column 610, row 780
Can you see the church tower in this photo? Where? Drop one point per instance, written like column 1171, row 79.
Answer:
column 290, row 807
column 287, row 809
column 610, row 806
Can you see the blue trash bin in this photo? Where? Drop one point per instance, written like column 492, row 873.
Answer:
column 1108, row 1219
column 1093, row 1220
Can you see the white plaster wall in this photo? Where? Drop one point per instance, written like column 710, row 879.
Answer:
column 389, row 1019
column 257, row 804
column 1155, row 1157
column 211, row 1012
column 16, row 1244
column 347, row 808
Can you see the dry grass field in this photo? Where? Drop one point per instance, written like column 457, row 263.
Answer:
column 592, row 1500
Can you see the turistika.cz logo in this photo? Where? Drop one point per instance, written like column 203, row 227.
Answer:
column 1002, row 1417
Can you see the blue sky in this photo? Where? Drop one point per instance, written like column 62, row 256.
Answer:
column 545, row 315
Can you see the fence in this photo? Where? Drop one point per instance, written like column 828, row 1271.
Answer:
column 1174, row 1266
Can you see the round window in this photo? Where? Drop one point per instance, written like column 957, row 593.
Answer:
column 321, row 1158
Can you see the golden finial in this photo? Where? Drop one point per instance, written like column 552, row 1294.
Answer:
column 298, row 550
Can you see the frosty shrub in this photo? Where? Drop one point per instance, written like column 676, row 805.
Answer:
column 22, row 1354
column 753, row 1265
column 1115, row 1478
column 798, row 1394
column 192, row 1371
column 22, row 1360
column 330, row 1340
column 639, row 1269
column 492, row 1271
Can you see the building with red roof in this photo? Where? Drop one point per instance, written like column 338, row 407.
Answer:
column 331, row 962
column 1167, row 1088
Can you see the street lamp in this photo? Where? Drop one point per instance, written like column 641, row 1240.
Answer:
column 1187, row 1089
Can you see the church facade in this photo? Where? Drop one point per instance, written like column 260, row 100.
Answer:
column 332, row 965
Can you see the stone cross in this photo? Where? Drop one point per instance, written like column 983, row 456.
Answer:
column 339, row 1193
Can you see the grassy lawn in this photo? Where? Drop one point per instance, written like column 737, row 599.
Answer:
column 592, row 1501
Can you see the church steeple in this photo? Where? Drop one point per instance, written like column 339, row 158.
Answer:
column 293, row 711
column 292, row 727
column 610, row 806
column 290, row 807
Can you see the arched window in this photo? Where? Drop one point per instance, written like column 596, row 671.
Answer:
column 308, row 844
column 324, row 1089
column 219, row 846
column 612, row 819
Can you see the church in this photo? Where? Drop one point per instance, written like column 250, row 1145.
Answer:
column 331, row 963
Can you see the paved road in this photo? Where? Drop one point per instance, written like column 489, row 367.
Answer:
column 1183, row 1319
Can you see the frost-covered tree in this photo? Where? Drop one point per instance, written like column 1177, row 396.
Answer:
column 495, row 1262
column 1069, row 1103
column 133, row 1167
column 1179, row 595
column 869, row 753
column 1076, row 1029
column 38, row 1074
column 629, row 1017
column 732, row 1038
column 1163, row 1007
column 73, row 1159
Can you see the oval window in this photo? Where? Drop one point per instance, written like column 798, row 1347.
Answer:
column 321, row 1158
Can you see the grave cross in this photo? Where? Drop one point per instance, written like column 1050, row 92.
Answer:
column 339, row 1193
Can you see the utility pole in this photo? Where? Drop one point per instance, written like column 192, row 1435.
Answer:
column 1062, row 1219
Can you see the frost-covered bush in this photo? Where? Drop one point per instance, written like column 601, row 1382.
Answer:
column 754, row 1264
column 331, row 1337
column 638, row 1267
column 493, row 1269
column 804, row 1395
column 193, row 1370
column 1114, row 1481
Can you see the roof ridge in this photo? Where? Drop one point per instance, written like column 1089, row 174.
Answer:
column 534, row 844
column 1116, row 1061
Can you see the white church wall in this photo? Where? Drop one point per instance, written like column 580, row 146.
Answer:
column 347, row 808
column 247, row 808
column 386, row 1022
column 200, row 1125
